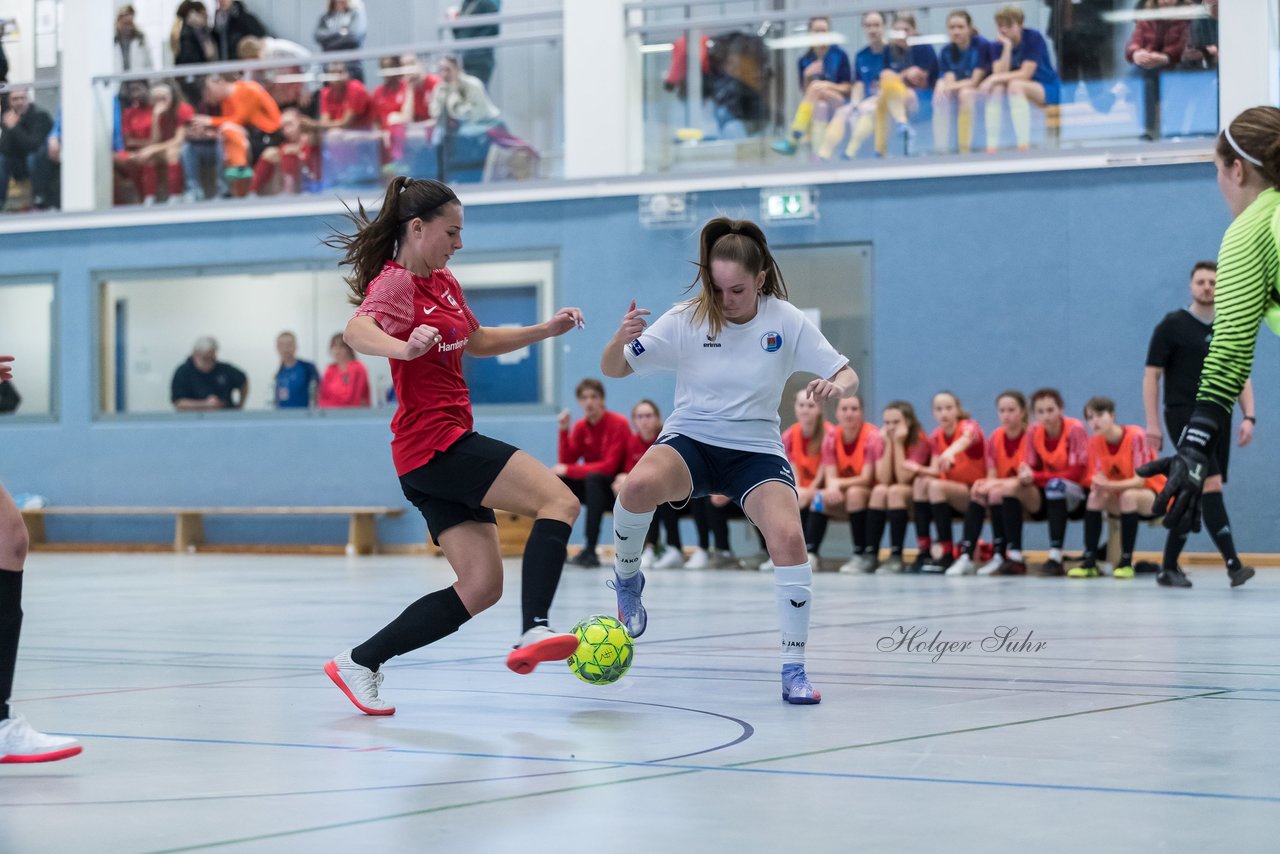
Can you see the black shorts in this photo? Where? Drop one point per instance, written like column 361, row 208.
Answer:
column 1076, row 502
column 260, row 141
column 724, row 471
column 1175, row 421
column 448, row 489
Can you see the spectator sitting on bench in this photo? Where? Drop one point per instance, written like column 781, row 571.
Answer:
column 462, row 97
column 591, row 455
column 344, row 102
column 1156, row 45
column 249, row 129
column 202, row 382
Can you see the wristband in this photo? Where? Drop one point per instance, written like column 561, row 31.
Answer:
column 1251, row 420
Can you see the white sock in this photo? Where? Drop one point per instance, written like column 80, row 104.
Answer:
column 1013, row 554
column 628, row 538
column 792, row 586
column 1055, row 554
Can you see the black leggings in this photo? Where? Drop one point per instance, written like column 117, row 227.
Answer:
column 595, row 491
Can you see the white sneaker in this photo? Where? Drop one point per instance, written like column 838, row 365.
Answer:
column 723, row 559
column 672, row 558
column 815, row 562
column 647, row 558
column 540, row 644
column 20, row 743
column 360, row 684
column 991, row 566
column 852, row 566
column 698, row 560
column 964, row 565
column 766, row 565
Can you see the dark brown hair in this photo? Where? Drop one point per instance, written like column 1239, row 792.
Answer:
column 589, row 384
column 1051, row 393
column 375, row 240
column 1018, row 398
column 1099, row 403
column 914, row 430
column 646, row 402
column 741, row 241
column 1204, row 265
column 1257, row 132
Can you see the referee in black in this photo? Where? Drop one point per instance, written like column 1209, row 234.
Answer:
column 1177, row 352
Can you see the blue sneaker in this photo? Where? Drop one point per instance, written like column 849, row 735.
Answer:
column 785, row 147
column 796, row 687
column 630, row 610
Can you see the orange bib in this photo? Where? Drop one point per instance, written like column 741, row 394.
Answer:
column 1057, row 459
column 967, row 468
column 1118, row 465
column 806, row 465
column 1007, row 464
column 850, row 464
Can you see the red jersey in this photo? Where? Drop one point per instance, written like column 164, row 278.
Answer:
column 135, row 123
column 1063, row 456
column 636, row 446
column 850, row 459
column 599, row 448
column 1005, row 455
column 970, row 465
column 807, row 465
column 354, row 97
column 344, row 387
column 388, row 99
column 1121, row 461
column 435, row 403
column 422, row 97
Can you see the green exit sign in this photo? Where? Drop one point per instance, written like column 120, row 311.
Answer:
column 790, row 204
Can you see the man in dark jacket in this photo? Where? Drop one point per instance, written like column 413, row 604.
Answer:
column 231, row 23
column 25, row 129
column 478, row 62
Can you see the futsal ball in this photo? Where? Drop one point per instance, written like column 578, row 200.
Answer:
column 604, row 650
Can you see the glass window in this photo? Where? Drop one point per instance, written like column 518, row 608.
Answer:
column 26, row 333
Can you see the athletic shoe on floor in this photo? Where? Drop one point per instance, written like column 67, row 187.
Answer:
column 540, row 644
column 992, row 566
column 1172, row 578
column 1011, row 567
column 1083, row 571
column 766, row 565
column 921, row 561
column 869, row 562
column 723, row 559
column 1052, row 569
column 939, row 565
column 815, row 562
column 647, row 558
column 20, row 743
column 698, row 560
column 1240, row 576
column 586, row 559
column 360, row 684
column 893, row 565
column 852, row 565
column 964, row 565
column 630, row 609
column 671, row 559
column 1122, row 572
column 796, row 687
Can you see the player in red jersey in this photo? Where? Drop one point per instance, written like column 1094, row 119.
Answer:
column 803, row 443
column 849, row 475
column 412, row 311
column 18, row 741
column 1006, row 452
column 959, row 461
column 899, row 456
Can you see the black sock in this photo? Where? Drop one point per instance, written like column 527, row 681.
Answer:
column 1128, row 537
column 10, row 628
column 923, row 512
column 1173, row 549
column 973, row 519
column 876, row 520
column 651, row 535
column 1057, row 512
column 1092, row 533
column 1012, row 511
column 858, row 530
column 897, row 530
column 540, row 571
column 671, row 524
column 815, row 532
column 1215, row 519
column 432, row 617
column 719, row 519
column 700, row 509
column 997, row 530
column 942, row 521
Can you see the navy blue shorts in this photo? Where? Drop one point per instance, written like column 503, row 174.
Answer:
column 724, row 471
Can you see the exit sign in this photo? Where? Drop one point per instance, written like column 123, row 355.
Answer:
column 789, row 204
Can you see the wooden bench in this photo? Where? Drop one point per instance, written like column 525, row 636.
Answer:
column 362, row 530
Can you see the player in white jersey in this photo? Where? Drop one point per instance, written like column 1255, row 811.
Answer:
column 732, row 347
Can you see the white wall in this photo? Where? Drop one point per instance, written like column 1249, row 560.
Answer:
column 20, row 51
column 26, row 334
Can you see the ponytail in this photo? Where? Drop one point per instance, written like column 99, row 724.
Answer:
column 742, row 242
column 376, row 239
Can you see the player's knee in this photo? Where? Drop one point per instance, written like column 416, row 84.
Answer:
column 967, row 97
column 1129, row 501
column 562, row 505
column 936, row 492
column 13, row 544
column 481, row 594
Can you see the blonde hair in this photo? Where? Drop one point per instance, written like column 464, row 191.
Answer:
column 1010, row 14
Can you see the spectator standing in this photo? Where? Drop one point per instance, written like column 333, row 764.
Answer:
column 477, row 62
column 591, row 455
column 194, row 44
column 232, row 22
column 1202, row 43
column 203, row 383
column 346, row 381
column 1083, row 40
column 130, row 53
column 25, row 133
column 343, row 27
column 296, row 379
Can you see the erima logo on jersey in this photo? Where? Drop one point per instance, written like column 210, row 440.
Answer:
column 795, row 604
column 636, row 347
column 771, row 342
column 710, row 343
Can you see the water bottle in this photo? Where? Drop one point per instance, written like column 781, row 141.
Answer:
column 817, row 502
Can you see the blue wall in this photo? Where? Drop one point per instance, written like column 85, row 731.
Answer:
column 980, row 284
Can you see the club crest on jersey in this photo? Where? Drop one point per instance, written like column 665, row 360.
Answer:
column 453, row 302
column 771, row 342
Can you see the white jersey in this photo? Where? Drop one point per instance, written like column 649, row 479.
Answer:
column 728, row 387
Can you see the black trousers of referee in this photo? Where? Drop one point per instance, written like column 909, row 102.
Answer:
column 595, row 491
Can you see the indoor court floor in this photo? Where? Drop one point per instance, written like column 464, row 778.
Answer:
column 1136, row 719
